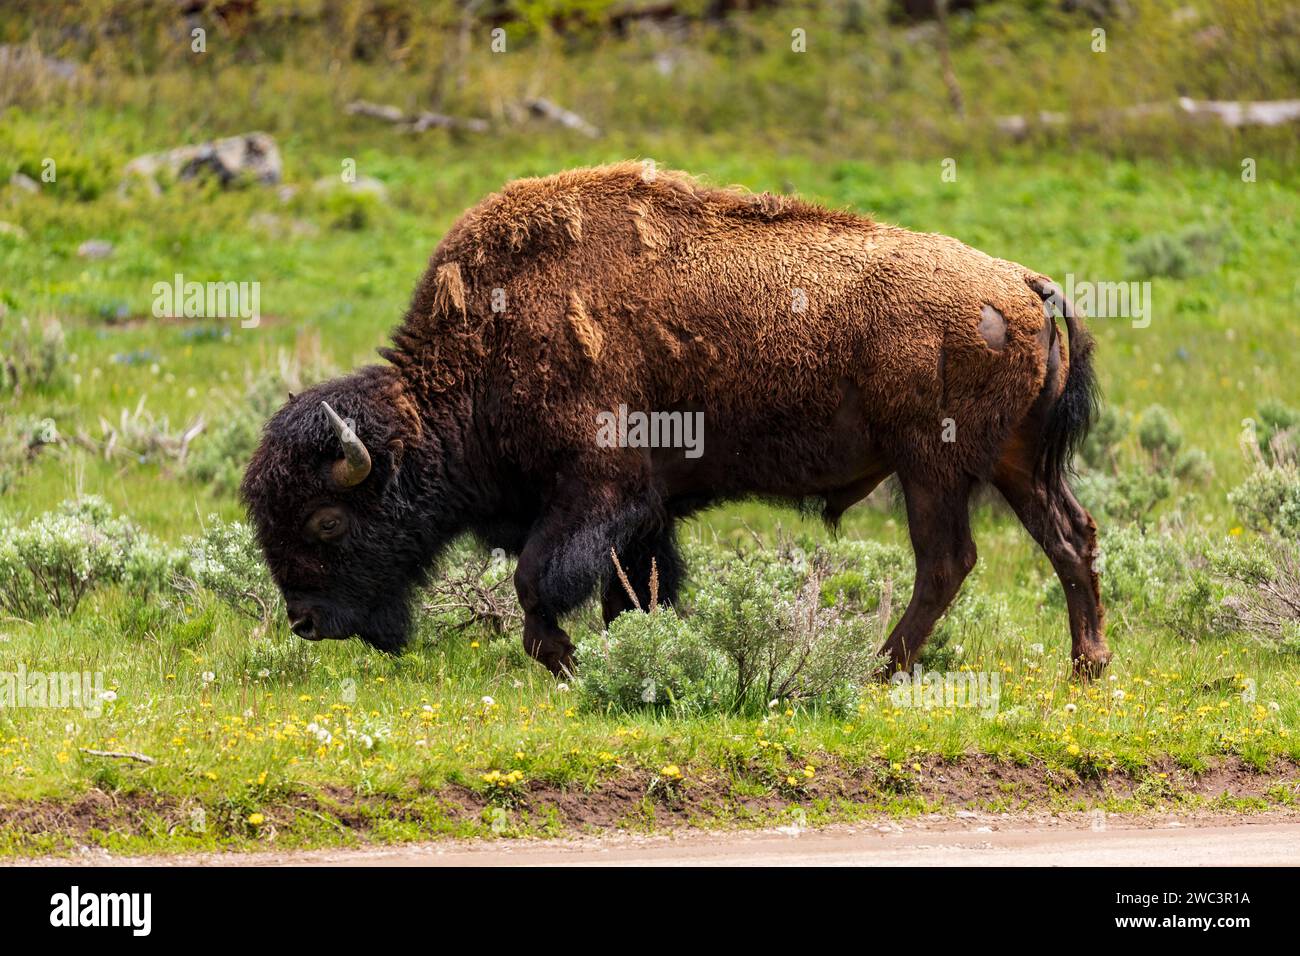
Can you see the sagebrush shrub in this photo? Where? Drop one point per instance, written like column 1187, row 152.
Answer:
column 50, row 564
column 1193, row 465
column 1137, row 569
column 768, row 617
column 762, row 627
column 1100, row 449
column 1269, row 500
column 31, row 358
column 1178, row 255
column 653, row 660
column 1127, row 498
column 226, row 560
column 1264, row 590
column 1159, row 434
column 1279, row 433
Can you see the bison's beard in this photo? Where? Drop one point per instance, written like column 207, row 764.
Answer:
column 386, row 625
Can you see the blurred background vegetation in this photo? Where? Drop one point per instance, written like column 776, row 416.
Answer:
column 877, row 79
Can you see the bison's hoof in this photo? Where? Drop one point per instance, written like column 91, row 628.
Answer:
column 1090, row 664
column 554, row 652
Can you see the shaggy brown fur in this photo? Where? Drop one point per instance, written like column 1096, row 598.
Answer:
column 826, row 352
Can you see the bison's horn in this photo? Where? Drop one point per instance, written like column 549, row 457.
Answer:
column 353, row 467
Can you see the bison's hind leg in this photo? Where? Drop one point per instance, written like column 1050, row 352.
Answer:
column 1068, row 536
column 938, row 522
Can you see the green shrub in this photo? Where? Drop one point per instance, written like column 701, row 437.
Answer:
column 1124, row 499
column 1194, row 607
column 226, row 561
column 1159, row 435
column 1178, row 255
column 1138, row 570
column 763, row 627
column 863, row 573
column 50, row 564
column 1264, row 590
column 652, row 660
column 1160, row 255
column 1269, row 500
column 1193, row 465
column 34, row 359
column 768, row 617
column 1101, row 448
column 1279, row 432
column 82, row 169
column 353, row 210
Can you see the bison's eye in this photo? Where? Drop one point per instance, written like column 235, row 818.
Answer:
column 327, row 524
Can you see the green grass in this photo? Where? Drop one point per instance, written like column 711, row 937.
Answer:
column 411, row 738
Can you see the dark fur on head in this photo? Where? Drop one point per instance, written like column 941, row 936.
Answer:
column 362, row 581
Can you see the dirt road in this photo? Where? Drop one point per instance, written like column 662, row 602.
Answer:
column 972, row 842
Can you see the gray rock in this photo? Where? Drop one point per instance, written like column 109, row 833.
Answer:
column 249, row 156
column 95, row 249
column 24, row 182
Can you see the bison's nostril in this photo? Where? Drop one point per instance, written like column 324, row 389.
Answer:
column 303, row 627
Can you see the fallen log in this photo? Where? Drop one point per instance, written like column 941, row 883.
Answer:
column 419, row 122
column 544, row 108
column 1229, row 112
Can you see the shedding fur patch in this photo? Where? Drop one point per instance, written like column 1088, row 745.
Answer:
column 541, row 222
column 993, row 327
column 649, row 236
column 585, row 329
column 449, row 290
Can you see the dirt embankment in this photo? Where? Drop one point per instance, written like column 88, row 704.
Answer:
column 971, row 788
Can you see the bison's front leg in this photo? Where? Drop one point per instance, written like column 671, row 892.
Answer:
column 567, row 555
column 654, row 556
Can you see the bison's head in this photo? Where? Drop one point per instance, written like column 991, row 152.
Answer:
column 335, row 512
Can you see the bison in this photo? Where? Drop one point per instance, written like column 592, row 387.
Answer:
column 824, row 351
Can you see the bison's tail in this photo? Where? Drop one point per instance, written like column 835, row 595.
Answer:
column 1071, row 416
